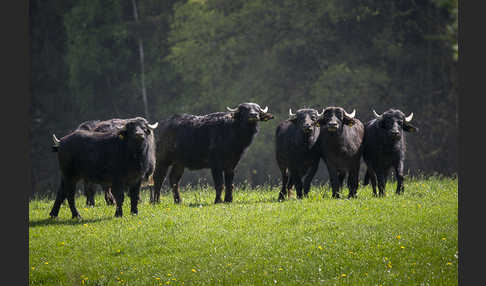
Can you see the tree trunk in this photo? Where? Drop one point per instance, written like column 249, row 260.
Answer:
column 142, row 77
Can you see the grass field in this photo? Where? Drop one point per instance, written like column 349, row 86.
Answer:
column 409, row 239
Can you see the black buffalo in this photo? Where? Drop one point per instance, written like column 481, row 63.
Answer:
column 100, row 126
column 122, row 158
column 384, row 148
column 215, row 141
column 340, row 141
column 297, row 153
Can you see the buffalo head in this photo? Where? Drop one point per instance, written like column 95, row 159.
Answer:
column 333, row 118
column 394, row 121
column 138, row 129
column 251, row 112
column 305, row 119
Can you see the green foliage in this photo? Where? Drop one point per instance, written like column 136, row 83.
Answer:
column 409, row 239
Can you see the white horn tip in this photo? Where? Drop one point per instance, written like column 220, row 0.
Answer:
column 376, row 114
column 352, row 113
column 265, row 109
column 56, row 141
column 409, row 118
column 153, row 126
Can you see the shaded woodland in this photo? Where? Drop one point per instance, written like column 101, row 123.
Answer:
column 104, row 59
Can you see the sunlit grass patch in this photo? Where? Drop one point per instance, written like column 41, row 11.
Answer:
column 409, row 239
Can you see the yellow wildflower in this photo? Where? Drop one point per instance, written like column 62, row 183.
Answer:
column 193, row 270
column 320, row 247
column 343, row 275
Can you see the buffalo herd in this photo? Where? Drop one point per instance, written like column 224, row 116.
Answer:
column 124, row 154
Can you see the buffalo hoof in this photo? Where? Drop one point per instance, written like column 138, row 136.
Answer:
column 218, row 201
column 77, row 217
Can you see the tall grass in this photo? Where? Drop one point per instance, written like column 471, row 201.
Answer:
column 409, row 239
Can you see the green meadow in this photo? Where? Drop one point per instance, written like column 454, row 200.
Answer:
column 408, row 239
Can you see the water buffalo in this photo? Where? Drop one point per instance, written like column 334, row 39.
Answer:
column 100, row 126
column 340, row 141
column 122, row 158
column 216, row 141
column 297, row 153
column 384, row 148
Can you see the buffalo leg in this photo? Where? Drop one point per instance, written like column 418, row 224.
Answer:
column 399, row 176
column 218, row 184
column 119, row 194
column 110, row 200
column 335, row 183
column 290, row 184
column 353, row 182
column 308, row 178
column 159, row 177
column 285, row 179
column 70, row 188
column 134, row 194
column 89, row 190
column 298, row 183
column 341, row 179
column 228, row 182
column 174, row 178
column 382, row 178
column 372, row 177
column 60, row 197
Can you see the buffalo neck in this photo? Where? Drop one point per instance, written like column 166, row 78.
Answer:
column 245, row 131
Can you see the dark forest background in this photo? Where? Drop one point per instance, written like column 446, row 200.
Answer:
column 93, row 59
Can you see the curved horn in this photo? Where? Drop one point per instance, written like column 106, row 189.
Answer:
column 153, row 126
column 320, row 114
column 56, row 141
column 350, row 115
column 376, row 114
column 290, row 112
column 409, row 118
column 231, row 109
column 265, row 109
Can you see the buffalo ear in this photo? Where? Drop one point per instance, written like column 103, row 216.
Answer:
column 409, row 127
column 348, row 121
column 266, row 117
